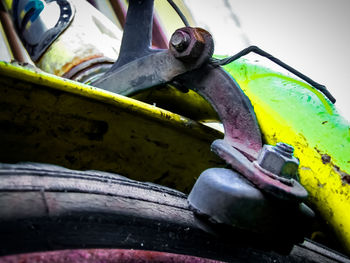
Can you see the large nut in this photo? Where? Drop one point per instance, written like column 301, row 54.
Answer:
column 279, row 160
column 188, row 43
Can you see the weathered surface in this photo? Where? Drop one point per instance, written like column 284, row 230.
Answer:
column 47, row 119
column 291, row 111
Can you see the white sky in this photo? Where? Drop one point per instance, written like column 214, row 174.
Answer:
column 312, row 36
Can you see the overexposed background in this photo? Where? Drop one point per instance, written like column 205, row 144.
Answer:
column 312, row 36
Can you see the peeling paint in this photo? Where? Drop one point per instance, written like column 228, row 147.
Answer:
column 325, row 158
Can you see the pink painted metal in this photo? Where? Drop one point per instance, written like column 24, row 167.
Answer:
column 103, row 256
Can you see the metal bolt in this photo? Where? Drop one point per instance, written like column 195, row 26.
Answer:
column 191, row 45
column 285, row 149
column 279, row 160
column 180, row 40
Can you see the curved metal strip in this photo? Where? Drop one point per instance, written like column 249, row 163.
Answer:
column 232, row 105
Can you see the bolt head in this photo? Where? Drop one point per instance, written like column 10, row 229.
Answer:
column 273, row 160
column 180, row 40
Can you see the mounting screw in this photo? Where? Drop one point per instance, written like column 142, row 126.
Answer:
column 180, row 40
column 279, row 160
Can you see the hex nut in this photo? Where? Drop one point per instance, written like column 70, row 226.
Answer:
column 278, row 162
column 191, row 47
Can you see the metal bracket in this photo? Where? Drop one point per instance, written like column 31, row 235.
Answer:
column 232, row 105
column 186, row 62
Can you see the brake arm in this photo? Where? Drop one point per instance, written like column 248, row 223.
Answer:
column 242, row 142
column 186, row 62
column 140, row 67
column 232, row 105
column 152, row 70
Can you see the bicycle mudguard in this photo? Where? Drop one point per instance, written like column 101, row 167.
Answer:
column 49, row 119
column 291, row 111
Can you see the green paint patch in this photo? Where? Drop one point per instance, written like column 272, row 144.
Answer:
column 298, row 83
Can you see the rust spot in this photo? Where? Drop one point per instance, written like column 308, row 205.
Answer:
column 346, row 179
column 321, row 185
column 325, row 158
column 324, row 122
column 317, row 150
column 76, row 61
column 344, row 176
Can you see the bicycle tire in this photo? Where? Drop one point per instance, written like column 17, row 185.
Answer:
column 47, row 208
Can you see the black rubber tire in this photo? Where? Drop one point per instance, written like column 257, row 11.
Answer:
column 46, row 207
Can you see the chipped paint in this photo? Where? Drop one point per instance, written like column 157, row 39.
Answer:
column 78, row 42
column 293, row 112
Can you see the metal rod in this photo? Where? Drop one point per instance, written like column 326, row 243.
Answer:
column 159, row 39
column 257, row 50
column 137, row 34
column 11, row 35
column 119, row 11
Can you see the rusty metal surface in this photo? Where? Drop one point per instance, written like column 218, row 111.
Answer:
column 90, row 36
column 103, row 255
column 192, row 45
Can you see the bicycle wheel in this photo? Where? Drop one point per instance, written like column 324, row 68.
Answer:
column 49, row 208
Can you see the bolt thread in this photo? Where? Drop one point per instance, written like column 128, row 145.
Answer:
column 284, row 149
column 180, row 40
